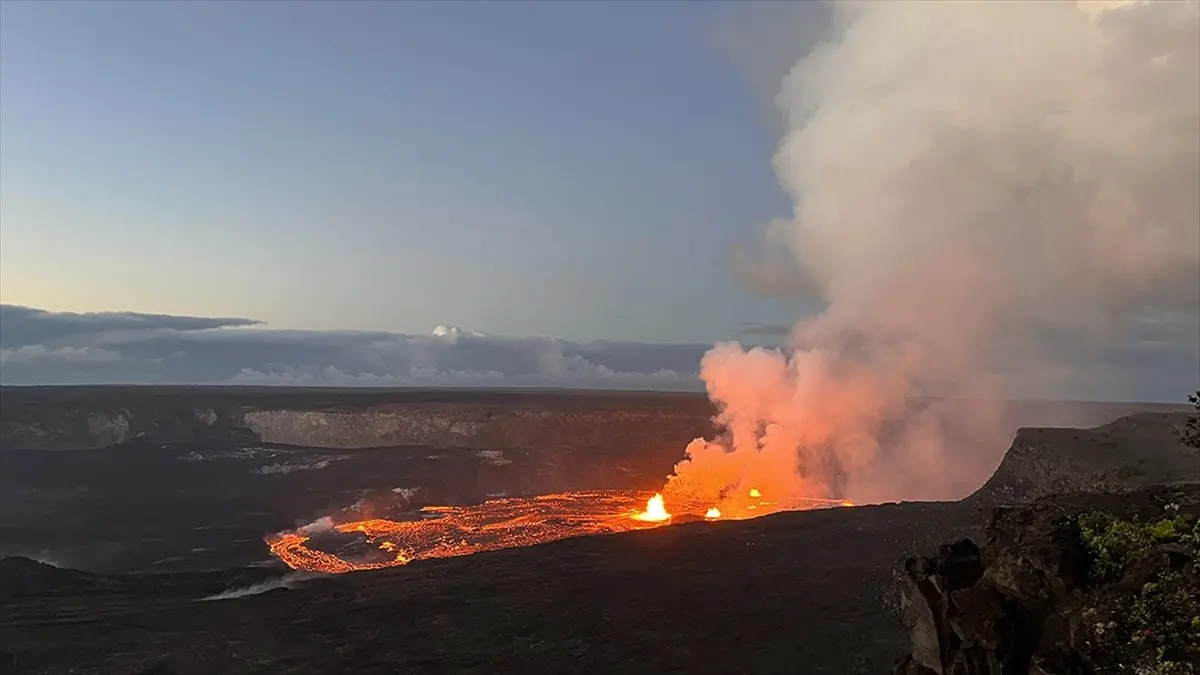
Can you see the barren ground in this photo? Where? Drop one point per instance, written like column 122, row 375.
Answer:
column 797, row 592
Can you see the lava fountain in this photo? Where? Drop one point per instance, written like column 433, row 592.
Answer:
column 656, row 510
column 449, row 531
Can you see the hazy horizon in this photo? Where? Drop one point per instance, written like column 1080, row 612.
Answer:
column 39, row 348
column 451, row 390
column 605, row 196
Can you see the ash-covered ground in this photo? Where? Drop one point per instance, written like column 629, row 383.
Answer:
column 152, row 500
column 177, row 492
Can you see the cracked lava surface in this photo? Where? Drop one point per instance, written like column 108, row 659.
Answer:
column 448, row 531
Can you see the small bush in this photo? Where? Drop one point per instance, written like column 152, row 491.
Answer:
column 1114, row 544
column 1190, row 432
column 1155, row 631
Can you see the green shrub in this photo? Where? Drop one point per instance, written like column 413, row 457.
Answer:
column 1190, row 433
column 1155, row 631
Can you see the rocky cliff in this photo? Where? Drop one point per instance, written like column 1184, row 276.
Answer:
column 89, row 427
column 474, row 427
column 88, row 418
column 1133, row 451
column 1083, row 584
column 78, row 418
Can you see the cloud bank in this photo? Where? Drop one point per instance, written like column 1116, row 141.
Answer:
column 39, row 347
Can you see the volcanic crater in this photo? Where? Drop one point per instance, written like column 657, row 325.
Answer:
column 141, row 502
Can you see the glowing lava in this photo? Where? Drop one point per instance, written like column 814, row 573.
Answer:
column 448, row 531
column 656, row 510
column 755, row 493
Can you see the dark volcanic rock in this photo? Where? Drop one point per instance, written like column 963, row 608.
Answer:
column 1133, row 451
column 1030, row 601
column 75, row 418
column 789, row 593
column 792, row 593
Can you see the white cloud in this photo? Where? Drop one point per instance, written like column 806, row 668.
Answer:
column 48, row 348
column 35, row 354
column 1159, row 359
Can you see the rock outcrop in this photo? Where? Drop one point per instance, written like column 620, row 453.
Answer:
column 1083, row 584
column 473, row 427
column 80, row 418
column 93, row 427
column 1133, row 451
column 88, row 418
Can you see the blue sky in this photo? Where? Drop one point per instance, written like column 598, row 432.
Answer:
column 569, row 169
column 564, row 182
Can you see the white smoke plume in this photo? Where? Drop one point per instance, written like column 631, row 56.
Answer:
column 287, row 581
column 321, row 525
column 987, row 195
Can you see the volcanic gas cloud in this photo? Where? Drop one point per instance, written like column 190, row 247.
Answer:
column 989, row 198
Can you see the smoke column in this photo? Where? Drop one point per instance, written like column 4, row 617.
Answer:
column 987, row 195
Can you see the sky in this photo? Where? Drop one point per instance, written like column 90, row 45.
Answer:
column 587, row 194
column 574, row 169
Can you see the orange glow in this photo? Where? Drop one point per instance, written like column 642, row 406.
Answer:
column 755, row 493
column 448, row 531
column 656, row 510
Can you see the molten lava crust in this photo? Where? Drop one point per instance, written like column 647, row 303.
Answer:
column 448, row 531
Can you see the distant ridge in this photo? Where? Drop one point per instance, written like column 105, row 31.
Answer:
column 1130, row 452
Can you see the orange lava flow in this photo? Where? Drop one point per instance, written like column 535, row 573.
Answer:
column 448, row 531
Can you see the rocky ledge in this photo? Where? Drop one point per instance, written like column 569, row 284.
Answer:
column 1082, row 584
column 1132, row 451
column 83, row 418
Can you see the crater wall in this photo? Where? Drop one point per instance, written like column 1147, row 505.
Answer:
column 1130, row 452
column 96, row 417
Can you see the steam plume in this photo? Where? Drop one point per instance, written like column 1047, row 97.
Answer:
column 987, row 195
